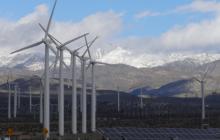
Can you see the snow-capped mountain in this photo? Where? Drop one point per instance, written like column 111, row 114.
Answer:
column 119, row 55
column 156, row 74
column 29, row 61
column 128, row 57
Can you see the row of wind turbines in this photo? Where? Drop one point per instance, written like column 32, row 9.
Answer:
column 86, row 62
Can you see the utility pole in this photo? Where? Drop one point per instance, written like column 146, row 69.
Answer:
column 15, row 101
column 141, row 98
column 30, row 99
column 118, row 99
column 41, row 105
column 9, row 100
column 19, row 98
column 203, row 100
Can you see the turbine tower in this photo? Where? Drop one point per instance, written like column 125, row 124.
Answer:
column 84, row 95
column 202, row 82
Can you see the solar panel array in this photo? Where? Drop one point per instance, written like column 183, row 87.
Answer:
column 160, row 133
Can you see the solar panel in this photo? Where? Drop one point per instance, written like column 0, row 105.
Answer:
column 160, row 133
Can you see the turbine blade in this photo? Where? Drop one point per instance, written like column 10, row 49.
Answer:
column 55, row 52
column 52, row 49
column 55, row 62
column 65, row 65
column 68, row 42
column 88, row 66
column 88, row 46
column 79, row 57
column 53, row 39
column 79, row 48
column 68, row 50
column 196, row 79
column 28, row 47
column 76, row 49
column 50, row 19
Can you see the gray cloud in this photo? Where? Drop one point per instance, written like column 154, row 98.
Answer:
column 17, row 34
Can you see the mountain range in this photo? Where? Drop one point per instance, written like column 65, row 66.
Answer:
column 173, row 78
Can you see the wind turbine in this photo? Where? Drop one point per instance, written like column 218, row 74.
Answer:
column 202, row 80
column 46, row 42
column 93, row 96
column 84, row 94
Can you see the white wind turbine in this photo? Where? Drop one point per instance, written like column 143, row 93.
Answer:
column 202, row 72
column 83, row 60
column 93, row 96
column 202, row 80
column 46, row 42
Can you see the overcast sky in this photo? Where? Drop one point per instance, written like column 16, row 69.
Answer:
column 142, row 26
